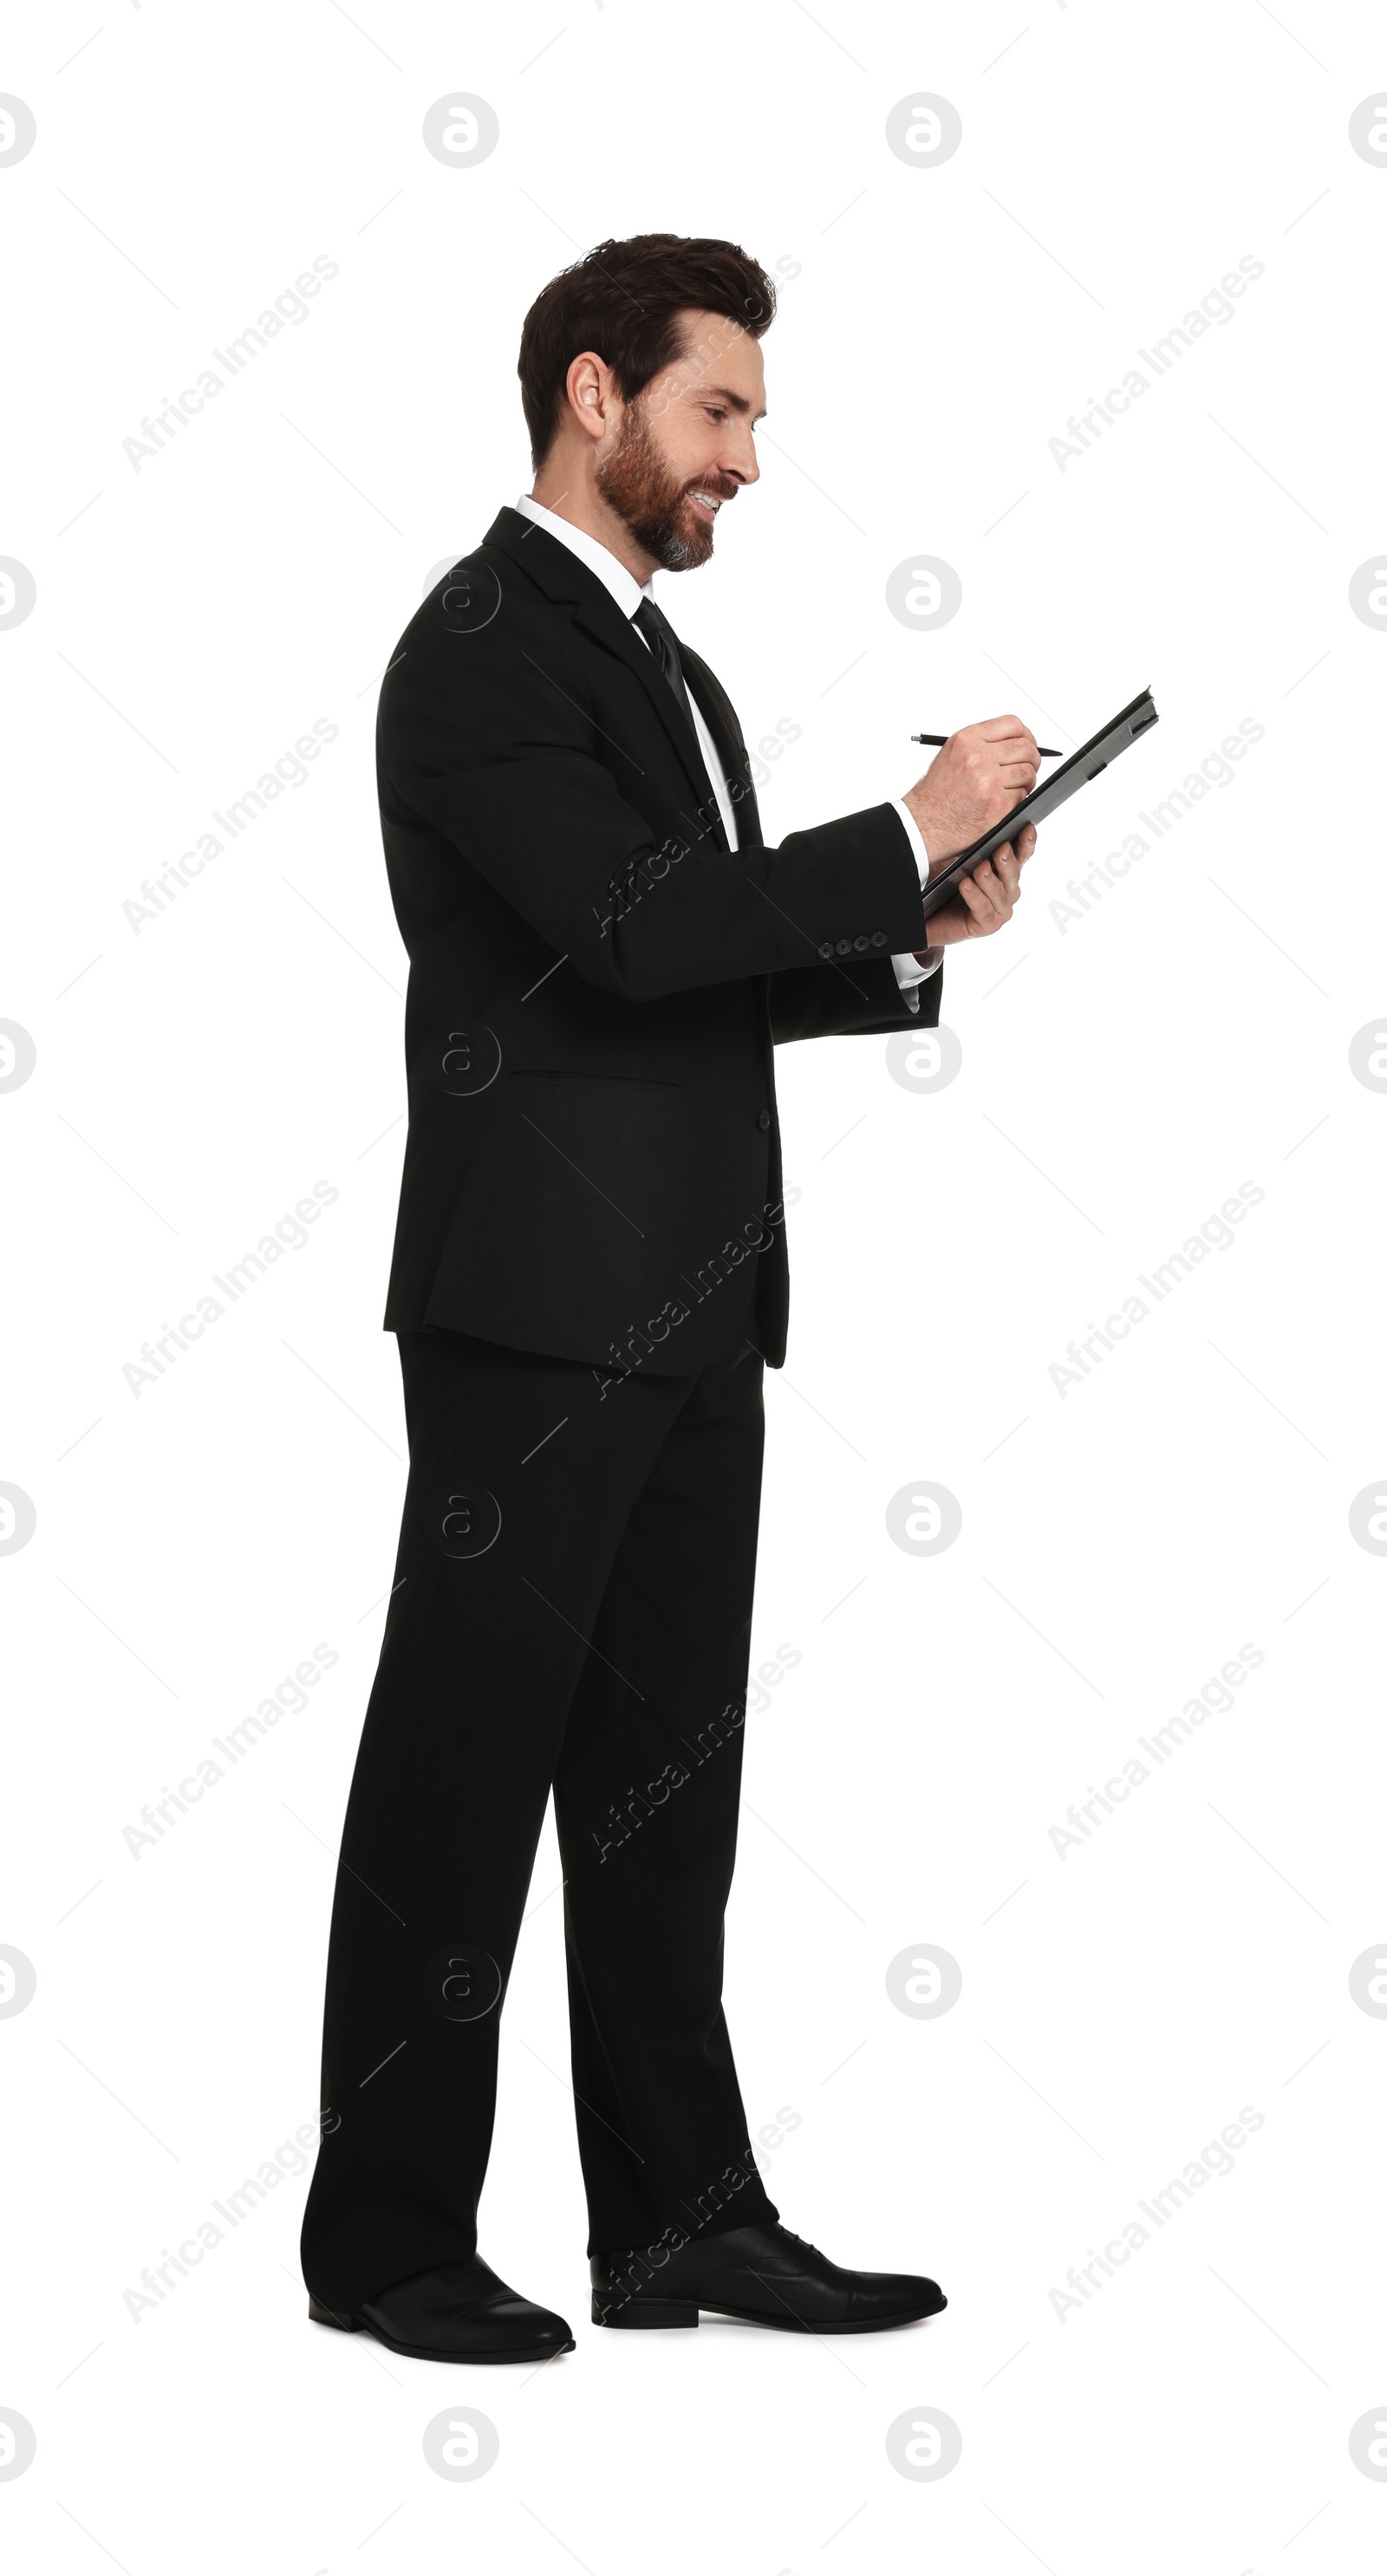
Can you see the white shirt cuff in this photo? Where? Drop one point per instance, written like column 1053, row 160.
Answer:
column 909, row 971
column 916, row 838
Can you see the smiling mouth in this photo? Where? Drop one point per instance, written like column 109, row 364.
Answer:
column 708, row 503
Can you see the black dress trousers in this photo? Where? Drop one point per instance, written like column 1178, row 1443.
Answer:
column 571, row 1611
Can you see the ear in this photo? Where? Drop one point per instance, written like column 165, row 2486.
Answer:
column 591, row 393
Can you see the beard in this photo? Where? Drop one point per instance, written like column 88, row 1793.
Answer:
column 650, row 498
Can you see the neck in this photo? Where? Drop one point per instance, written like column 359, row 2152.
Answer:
column 563, row 487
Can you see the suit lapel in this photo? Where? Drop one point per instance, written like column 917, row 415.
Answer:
column 561, row 576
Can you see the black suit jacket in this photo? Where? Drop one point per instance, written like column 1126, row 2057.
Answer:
column 597, row 982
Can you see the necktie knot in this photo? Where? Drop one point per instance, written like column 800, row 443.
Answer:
column 659, row 635
column 652, row 619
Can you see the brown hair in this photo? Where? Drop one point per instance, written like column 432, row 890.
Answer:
column 623, row 300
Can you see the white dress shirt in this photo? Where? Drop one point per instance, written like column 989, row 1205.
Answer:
column 628, row 594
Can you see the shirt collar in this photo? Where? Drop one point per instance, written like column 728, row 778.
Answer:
column 624, row 587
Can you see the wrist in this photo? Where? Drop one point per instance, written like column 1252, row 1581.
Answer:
column 919, row 816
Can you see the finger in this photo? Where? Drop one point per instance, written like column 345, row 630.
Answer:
column 1007, row 886
column 993, row 906
column 1013, row 854
column 975, row 902
column 1005, row 729
column 1009, row 870
column 1012, row 761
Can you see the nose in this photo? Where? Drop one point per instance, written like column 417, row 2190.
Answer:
column 742, row 464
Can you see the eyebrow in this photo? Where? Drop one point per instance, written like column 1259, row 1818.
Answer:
column 734, row 402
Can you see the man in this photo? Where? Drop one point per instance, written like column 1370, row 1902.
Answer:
column 589, row 1275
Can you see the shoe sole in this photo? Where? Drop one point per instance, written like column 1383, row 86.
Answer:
column 655, row 2313
column 347, row 2324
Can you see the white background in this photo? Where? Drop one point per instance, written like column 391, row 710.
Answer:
column 1122, row 1074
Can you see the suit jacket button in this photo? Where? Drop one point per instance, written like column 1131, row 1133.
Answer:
column 878, row 939
column 862, row 942
column 763, row 1119
column 845, row 948
column 826, row 948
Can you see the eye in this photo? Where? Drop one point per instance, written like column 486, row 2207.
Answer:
column 715, row 411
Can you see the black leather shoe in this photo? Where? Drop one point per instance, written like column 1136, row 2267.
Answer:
column 457, row 2312
column 765, row 2275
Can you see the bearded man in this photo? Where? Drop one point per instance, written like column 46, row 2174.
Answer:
column 589, row 1278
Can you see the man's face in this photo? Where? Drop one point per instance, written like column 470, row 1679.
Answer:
column 685, row 445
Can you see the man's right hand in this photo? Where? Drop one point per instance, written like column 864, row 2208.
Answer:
column 974, row 782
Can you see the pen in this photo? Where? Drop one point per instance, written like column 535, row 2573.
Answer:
column 939, row 739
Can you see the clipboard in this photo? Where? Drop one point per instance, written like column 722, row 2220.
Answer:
column 1056, row 790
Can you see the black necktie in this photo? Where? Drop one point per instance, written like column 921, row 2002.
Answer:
column 659, row 634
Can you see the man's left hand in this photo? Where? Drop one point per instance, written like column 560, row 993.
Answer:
column 986, row 898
